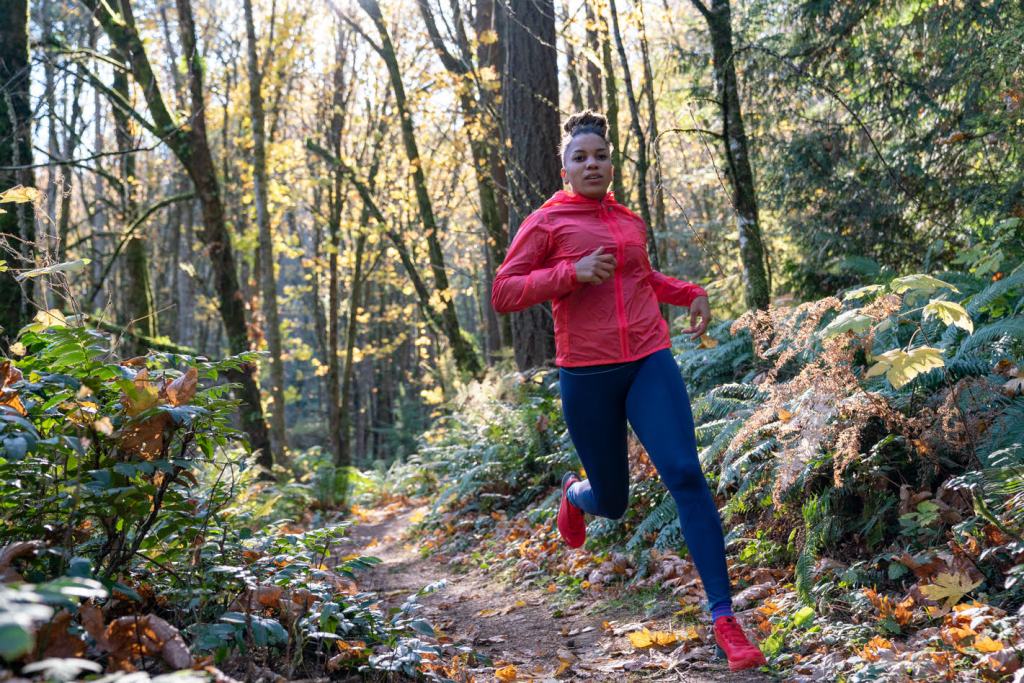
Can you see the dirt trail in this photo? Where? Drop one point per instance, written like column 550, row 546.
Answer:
column 520, row 624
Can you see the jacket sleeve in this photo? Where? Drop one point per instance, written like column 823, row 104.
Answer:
column 520, row 281
column 672, row 291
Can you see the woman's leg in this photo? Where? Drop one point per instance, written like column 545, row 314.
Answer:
column 593, row 402
column 659, row 410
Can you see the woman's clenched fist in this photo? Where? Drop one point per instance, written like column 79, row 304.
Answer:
column 595, row 267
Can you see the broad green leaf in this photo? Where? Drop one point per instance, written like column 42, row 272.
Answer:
column 15, row 640
column 847, row 321
column 803, row 617
column 921, row 283
column 862, row 292
column 950, row 313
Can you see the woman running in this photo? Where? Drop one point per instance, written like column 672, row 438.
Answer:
column 588, row 254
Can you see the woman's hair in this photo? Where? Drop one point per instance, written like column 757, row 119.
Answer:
column 583, row 122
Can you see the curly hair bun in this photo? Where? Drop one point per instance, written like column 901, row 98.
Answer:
column 586, row 122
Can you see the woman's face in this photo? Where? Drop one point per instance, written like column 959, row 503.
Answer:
column 588, row 165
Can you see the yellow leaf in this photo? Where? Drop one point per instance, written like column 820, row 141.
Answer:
column 104, row 426
column 920, row 282
column 986, row 644
column 19, row 194
column 950, row 313
column 18, row 349
column 900, row 367
column 647, row 638
column 785, row 415
column 949, row 588
column 707, row 342
column 488, row 37
column 51, row 318
column 506, row 673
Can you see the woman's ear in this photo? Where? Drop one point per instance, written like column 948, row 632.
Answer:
column 562, row 173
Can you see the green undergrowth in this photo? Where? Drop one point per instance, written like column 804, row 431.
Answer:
column 136, row 534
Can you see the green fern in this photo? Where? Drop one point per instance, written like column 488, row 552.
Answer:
column 717, row 447
column 1007, row 328
column 663, row 513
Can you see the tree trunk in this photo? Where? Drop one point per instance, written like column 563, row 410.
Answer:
column 268, row 281
column 17, row 224
column 594, row 91
column 465, row 357
column 530, row 101
column 479, row 130
column 139, row 307
column 735, row 149
column 491, row 55
column 641, row 140
column 612, row 109
column 191, row 146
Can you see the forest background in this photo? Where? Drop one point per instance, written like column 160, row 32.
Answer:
column 333, row 184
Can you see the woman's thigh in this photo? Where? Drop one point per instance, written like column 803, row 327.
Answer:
column 658, row 408
column 594, row 406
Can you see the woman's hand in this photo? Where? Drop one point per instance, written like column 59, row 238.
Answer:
column 596, row 267
column 699, row 308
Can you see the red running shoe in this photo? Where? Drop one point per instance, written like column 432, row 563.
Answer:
column 570, row 518
column 741, row 653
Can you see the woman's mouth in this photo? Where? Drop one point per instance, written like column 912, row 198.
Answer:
column 593, row 176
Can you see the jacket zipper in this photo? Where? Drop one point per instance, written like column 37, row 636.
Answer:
column 620, row 306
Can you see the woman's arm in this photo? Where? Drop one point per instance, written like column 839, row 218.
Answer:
column 669, row 290
column 520, row 281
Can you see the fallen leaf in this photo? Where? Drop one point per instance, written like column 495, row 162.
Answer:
column 987, row 645
column 506, row 673
column 949, row 588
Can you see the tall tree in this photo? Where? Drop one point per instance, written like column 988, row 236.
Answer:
column 462, row 350
column 482, row 132
column 191, row 147
column 736, row 152
column 611, row 92
column 268, row 280
column 530, row 106
column 139, row 305
column 642, row 164
column 16, row 223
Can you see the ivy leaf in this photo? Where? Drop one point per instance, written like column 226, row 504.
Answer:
column 950, row 313
column 949, row 588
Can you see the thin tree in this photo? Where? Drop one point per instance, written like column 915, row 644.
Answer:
column 736, row 152
column 462, row 350
column 16, row 223
column 481, row 131
column 191, row 146
column 268, row 280
column 530, row 117
column 642, row 164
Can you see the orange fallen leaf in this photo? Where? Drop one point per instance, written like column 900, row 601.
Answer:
column 987, row 645
column 506, row 673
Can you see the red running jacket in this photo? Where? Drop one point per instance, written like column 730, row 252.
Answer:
column 613, row 322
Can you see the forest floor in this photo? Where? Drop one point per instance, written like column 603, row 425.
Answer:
column 528, row 632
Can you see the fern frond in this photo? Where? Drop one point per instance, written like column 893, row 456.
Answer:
column 1007, row 328
column 663, row 513
column 710, row 454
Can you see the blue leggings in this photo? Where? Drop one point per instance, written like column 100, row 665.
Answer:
column 649, row 392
